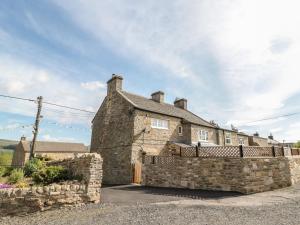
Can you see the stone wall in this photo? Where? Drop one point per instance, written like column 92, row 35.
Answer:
column 294, row 164
column 26, row 200
column 245, row 175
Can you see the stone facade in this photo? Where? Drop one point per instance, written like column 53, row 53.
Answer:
column 112, row 136
column 245, row 175
column 258, row 141
column 26, row 200
column 122, row 130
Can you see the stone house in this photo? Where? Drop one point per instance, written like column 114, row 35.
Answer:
column 53, row 150
column 127, row 125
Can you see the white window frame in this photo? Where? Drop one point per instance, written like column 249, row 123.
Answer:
column 241, row 141
column 228, row 138
column 159, row 124
column 203, row 135
column 180, row 130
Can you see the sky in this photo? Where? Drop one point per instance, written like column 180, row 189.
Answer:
column 235, row 61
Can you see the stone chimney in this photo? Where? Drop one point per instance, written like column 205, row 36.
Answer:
column 114, row 84
column 181, row 103
column 23, row 138
column 271, row 136
column 158, row 96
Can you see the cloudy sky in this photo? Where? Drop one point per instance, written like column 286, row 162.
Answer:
column 236, row 61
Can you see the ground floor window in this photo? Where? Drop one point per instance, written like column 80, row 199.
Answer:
column 228, row 138
column 203, row 135
column 159, row 124
column 241, row 141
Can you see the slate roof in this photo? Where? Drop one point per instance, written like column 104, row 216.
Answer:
column 55, row 147
column 163, row 108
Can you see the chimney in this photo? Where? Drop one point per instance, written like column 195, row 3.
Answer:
column 114, row 84
column 256, row 134
column 271, row 136
column 158, row 96
column 181, row 103
column 23, row 138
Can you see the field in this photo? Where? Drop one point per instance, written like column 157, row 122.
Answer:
column 7, row 148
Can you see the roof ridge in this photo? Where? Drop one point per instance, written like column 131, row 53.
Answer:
column 167, row 104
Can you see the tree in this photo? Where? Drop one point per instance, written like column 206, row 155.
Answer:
column 297, row 145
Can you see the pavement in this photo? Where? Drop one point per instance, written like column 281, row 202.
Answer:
column 133, row 204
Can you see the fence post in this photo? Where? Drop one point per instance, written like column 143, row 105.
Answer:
column 153, row 159
column 197, row 151
column 282, row 149
column 180, row 152
column 273, row 151
column 241, row 151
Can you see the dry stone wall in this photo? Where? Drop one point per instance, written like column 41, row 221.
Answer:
column 245, row 175
column 26, row 200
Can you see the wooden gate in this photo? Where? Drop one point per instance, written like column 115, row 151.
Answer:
column 137, row 173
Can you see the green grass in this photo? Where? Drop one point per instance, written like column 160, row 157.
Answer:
column 7, row 148
column 8, row 144
column 6, row 157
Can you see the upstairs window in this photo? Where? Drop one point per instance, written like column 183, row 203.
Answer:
column 159, row 124
column 180, row 131
column 203, row 135
column 228, row 138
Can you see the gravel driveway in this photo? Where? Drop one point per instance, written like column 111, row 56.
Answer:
column 139, row 205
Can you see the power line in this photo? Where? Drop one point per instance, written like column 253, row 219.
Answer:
column 12, row 97
column 68, row 107
column 272, row 118
column 49, row 103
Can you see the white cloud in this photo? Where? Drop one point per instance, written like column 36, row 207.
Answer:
column 28, row 81
column 93, row 85
column 48, row 137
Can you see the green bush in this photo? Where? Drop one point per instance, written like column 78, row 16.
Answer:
column 5, row 171
column 2, row 171
column 32, row 166
column 50, row 174
column 16, row 176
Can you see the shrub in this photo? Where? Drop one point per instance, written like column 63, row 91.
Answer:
column 32, row 166
column 22, row 184
column 44, row 157
column 16, row 176
column 5, row 171
column 50, row 174
column 2, row 171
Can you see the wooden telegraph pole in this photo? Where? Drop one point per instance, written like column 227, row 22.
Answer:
column 36, row 126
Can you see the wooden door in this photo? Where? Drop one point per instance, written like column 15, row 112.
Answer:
column 137, row 173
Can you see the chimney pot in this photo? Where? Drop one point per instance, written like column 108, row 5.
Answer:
column 158, row 96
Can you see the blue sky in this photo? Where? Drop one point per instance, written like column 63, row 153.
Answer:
column 235, row 61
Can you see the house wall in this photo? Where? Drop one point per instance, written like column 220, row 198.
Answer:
column 258, row 141
column 246, row 139
column 112, row 137
column 154, row 141
column 212, row 134
column 19, row 156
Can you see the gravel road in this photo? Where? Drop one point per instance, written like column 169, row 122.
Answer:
column 137, row 205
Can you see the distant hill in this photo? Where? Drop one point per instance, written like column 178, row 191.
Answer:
column 7, row 145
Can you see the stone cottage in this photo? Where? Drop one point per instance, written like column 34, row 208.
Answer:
column 126, row 125
column 53, row 150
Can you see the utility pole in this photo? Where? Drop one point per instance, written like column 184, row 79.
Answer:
column 36, row 126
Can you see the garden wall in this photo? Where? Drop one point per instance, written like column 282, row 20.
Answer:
column 89, row 166
column 245, row 175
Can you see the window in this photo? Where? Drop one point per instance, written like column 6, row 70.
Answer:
column 159, row 124
column 180, row 130
column 241, row 141
column 228, row 138
column 203, row 135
